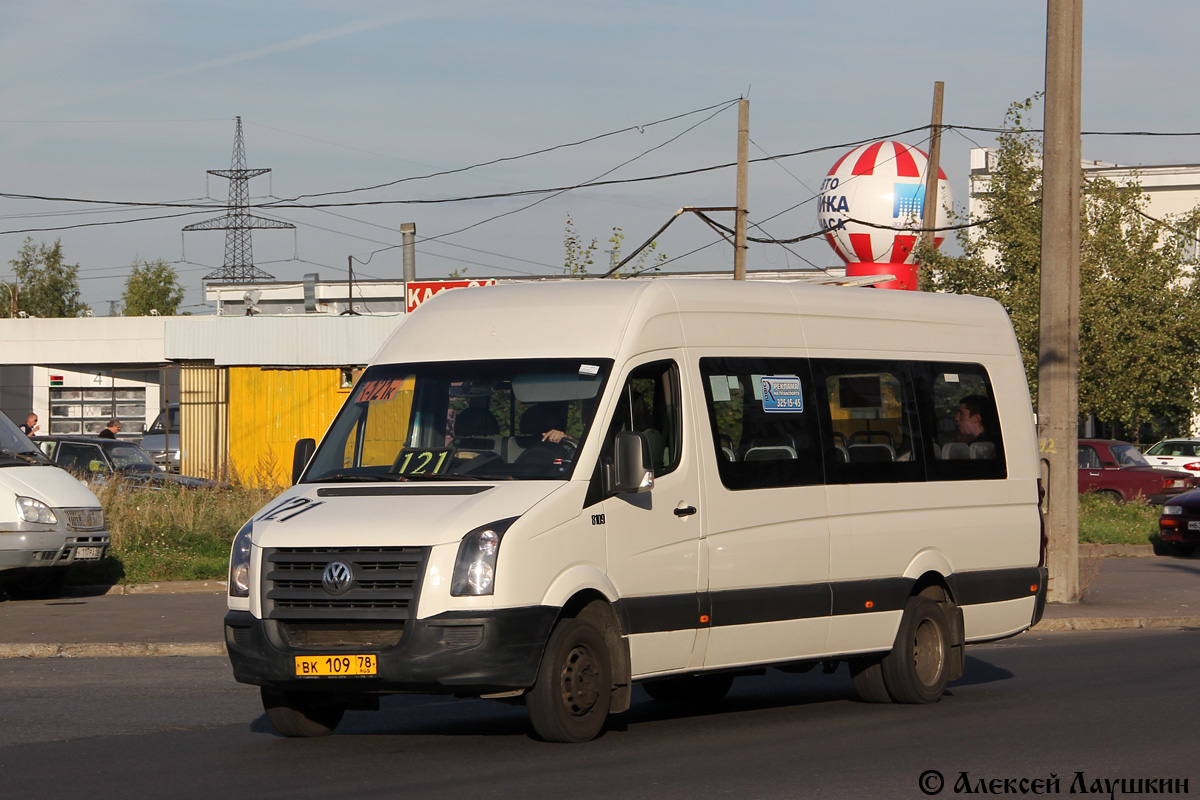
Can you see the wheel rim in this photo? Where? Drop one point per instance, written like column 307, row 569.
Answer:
column 928, row 652
column 581, row 681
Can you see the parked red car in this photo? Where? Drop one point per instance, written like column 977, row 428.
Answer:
column 1119, row 470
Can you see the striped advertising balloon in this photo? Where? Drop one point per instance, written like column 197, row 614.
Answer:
column 882, row 184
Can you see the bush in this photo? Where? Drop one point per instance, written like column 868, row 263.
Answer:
column 1102, row 521
column 169, row 534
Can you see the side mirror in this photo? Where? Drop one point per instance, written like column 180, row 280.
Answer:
column 300, row 457
column 630, row 470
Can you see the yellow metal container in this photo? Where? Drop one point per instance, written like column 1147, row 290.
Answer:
column 269, row 410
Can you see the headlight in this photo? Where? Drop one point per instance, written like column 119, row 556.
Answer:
column 1172, row 511
column 32, row 510
column 475, row 567
column 239, row 562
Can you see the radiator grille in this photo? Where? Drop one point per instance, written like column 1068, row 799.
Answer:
column 385, row 583
column 85, row 519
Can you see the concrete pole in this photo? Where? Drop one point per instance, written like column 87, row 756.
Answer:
column 408, row 232
column 743, row 167
column 1058, row 355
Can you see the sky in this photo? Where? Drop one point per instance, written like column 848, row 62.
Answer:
column 133, row 101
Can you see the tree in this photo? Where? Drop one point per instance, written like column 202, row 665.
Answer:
column 151, row 286
column 45, row 285
column 1138, row 312
column 579, row 256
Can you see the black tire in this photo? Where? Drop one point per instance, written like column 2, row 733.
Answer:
column 302, row 714
column 918, row 667
column 1175, row 549
column 691, row 689
column 1110, row 495
column 570, row 699
column 867, row 674
column 37, row 584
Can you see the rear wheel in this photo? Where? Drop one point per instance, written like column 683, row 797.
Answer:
column 690, row 689
column 570, row 699
column 302, row 714
column 918, row 667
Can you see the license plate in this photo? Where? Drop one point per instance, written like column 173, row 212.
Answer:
column 88, row 553
column 334, row 666
column 1194, row 525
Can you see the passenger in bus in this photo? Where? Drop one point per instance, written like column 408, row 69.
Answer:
column 971, row 420
column 975, row 435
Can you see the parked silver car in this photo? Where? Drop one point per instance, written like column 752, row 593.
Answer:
column 164, row 447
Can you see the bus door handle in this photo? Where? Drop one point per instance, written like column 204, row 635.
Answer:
column 684, row 511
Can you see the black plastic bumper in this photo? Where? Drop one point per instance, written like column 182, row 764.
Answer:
column 1039, row 607
column 455, row 652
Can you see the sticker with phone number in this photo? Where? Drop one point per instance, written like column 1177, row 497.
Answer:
column 781, row 393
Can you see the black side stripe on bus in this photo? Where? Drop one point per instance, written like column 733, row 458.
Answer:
column 810, row 601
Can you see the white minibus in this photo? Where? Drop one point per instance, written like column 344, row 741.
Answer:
column 548, row 492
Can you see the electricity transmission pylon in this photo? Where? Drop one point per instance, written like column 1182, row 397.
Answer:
column 237, row 222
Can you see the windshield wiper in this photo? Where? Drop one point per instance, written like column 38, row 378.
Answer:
column 26, row 457
column 342, row 477
column 441, row 476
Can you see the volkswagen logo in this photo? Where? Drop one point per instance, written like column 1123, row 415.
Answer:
column 337, row 578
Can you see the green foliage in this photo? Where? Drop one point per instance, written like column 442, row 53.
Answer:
column 579, row 257
column 45, row 285
column 1138, row 315
column 1101, row 521
column 170, row 534
column 151, row 286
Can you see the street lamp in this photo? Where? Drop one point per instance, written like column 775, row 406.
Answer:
column 12, row 297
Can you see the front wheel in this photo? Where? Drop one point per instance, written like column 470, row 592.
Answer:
column 44, row 583
column 302, row 714
column 918, row 667
column 569, row 700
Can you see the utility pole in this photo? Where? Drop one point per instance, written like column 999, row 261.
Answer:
column 1058, row 348
column 349, row 289
column 743, row 167
column 932, row 170
column 237, row 222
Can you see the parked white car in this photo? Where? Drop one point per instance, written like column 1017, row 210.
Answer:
column 1176, row 453
column 48, row 519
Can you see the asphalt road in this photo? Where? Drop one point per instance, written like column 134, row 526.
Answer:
column 1111, row 705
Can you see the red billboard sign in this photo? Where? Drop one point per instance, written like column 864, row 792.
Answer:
column 417, row 292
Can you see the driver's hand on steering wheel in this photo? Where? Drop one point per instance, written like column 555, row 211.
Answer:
column 556, row 436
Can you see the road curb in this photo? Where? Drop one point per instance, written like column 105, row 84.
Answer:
column 163, row 587
column 111, row 649
column 1114, row 623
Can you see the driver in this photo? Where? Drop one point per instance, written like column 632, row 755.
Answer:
column 556, row 436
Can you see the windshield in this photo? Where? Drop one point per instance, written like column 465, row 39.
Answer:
column 15, row 447
column 159, row 426
column 1128, row 456
column 463, row 420
column 1169, row 448
column 128, row 457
